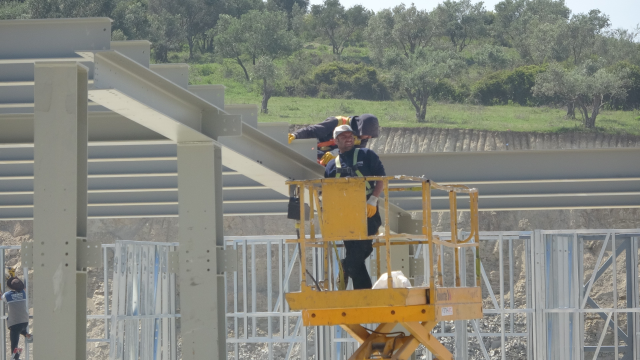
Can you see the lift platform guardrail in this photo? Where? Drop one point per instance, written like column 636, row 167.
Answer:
column 342, row 216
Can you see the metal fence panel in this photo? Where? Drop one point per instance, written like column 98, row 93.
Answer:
column 539, row 288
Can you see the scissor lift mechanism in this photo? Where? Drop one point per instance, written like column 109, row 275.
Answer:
column 342, row 216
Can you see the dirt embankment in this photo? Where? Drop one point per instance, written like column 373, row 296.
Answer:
column 420, row 140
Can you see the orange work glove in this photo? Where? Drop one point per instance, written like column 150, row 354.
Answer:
column 291, row 138
column 372, row 206
column 328, row 156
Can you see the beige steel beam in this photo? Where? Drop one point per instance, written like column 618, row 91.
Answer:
column 136, row 92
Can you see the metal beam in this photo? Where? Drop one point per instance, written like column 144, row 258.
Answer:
column 526, row 165
column 105, row 126
column 177, row 73
column 123, row 166
column 202, row 298
column 211, row 93
column 136, row 50
column 273, row 155
column 136, row 92
column 51, row 39
column 60, row 216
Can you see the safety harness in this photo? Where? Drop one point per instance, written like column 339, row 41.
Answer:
column 327, row 144
column 358, row 172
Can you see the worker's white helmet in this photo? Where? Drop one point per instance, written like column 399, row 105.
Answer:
column 340, row 129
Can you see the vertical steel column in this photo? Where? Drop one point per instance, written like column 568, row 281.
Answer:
column 60, row 208
column 539, row 300
column 630, row 281
column 462, row 341
column 200, row 234
column 579, row 322
column 3, row 331
column 633, row 301
column 528, row 245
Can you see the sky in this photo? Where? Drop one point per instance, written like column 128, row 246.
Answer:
column 622, row 13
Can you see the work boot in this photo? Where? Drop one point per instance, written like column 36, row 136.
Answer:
column 16, row 354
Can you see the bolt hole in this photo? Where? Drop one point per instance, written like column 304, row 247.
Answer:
column 344, row 314
column 424, row 311
column 393, row 312
column 313, row 315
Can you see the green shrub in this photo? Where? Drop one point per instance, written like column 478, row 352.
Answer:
column 10, row 10
column 340, row 80
column 503, row 86
column 448, row 92
column 632, row 100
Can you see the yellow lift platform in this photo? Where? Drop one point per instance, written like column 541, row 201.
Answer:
column 342, row 216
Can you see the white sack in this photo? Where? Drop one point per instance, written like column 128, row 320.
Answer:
column 399, row 281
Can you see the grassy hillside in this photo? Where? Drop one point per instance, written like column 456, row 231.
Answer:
column 400, row 113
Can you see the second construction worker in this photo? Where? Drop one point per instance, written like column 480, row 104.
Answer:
column 364, row 127
column 353, row 161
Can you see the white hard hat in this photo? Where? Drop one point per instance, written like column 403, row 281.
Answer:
column 340, row 129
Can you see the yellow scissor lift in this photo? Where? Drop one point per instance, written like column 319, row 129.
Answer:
column 342, row 216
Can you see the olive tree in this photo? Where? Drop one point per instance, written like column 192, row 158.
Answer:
column 460, row 21
column 288, row 5
column 337, row 23
column 41, row 9
column 253, row 35
column 265, row 70
column 399, row 40
column 258, row 38
column 195, row 17
column 582, row 31
column 536, row 28
column 417, row 75
column 402, row 29
column 585, row 87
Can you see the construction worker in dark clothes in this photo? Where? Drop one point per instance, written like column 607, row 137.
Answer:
column 351, row 162
column 364, row 128
column 18, row 314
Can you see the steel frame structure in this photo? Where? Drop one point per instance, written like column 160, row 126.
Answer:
column 143, row 312
column 542, row 266
column 537, row 305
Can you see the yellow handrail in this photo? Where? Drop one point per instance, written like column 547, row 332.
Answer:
column 314, row 188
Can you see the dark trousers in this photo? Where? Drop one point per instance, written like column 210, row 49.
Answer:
column 14, row 334
column 357, row 252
